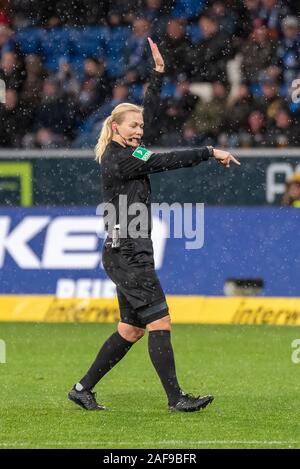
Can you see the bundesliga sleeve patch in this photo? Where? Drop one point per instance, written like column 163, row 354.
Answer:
column 142, row 153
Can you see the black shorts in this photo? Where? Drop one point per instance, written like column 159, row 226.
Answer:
column 131, row 268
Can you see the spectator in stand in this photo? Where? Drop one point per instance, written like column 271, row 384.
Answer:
column 207, row 60
column 176, row 48
column 208, row 118
column 282, row 132
column 56, row 112
column 255, row 136
column 257, row 54
column 12, row 59
column 291, row 196
column 135, row 86
column 122, row 12
column 226, row 18
column 3, row 12
column 46, row 139
column 12, row 71
column 157, row 13
column 31, row 12
column 190, row 136
column 95, row 72
column 174, row 111
column 252, row 8
column 271, row 13
column 270, row 100
column 38, row 13
column 136, row 51
column 33, row 85
column 66, row 79
column 78, row 12
column 90, row 127
column 239, row 108
column 14, row 121
column 119, row 94
column 288, row 50
column 6, row 41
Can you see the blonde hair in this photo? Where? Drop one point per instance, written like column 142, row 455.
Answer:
column 106, row 133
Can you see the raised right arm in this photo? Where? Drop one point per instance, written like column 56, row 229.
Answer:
column 152, row 100
column 152, row 96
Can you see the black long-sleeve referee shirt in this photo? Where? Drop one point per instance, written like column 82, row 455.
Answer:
column 125, row 170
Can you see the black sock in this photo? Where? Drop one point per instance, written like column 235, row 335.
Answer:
column 162, row 357
column 111, row 352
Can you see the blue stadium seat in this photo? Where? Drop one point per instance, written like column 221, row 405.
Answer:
column 55, row 43
column 256, row 89
column 115, row 46
column 136, row 93
column 86, row 42
column 168, row 89
column 188, row 8
column 194, row 33
column 29, row 40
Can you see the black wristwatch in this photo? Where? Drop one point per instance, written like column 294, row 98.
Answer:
column 211, row 151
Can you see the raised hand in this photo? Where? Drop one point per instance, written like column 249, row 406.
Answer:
column 157, row 57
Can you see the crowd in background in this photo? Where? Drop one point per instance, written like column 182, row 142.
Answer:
column 230, row 73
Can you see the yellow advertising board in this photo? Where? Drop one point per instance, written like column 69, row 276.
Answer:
column 183, row 309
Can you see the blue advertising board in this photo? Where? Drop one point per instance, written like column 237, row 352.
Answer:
column 58, row 251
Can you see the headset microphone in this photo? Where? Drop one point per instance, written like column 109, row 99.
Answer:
column 128, row 139
column 120, row 135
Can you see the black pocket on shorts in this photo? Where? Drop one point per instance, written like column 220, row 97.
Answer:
column 127, row 249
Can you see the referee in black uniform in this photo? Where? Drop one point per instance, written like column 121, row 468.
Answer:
column 128, row 260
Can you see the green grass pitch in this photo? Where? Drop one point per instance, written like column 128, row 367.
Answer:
column 248, row 369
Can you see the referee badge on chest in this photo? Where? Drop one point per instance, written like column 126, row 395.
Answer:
column 142, row 153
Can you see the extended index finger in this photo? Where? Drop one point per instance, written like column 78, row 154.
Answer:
column 235, row 160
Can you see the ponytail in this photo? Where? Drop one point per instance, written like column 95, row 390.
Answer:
column 104, row 138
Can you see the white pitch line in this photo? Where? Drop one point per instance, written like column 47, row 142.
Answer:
column 148, row 443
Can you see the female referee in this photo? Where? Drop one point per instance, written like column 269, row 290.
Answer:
column 128, row 260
